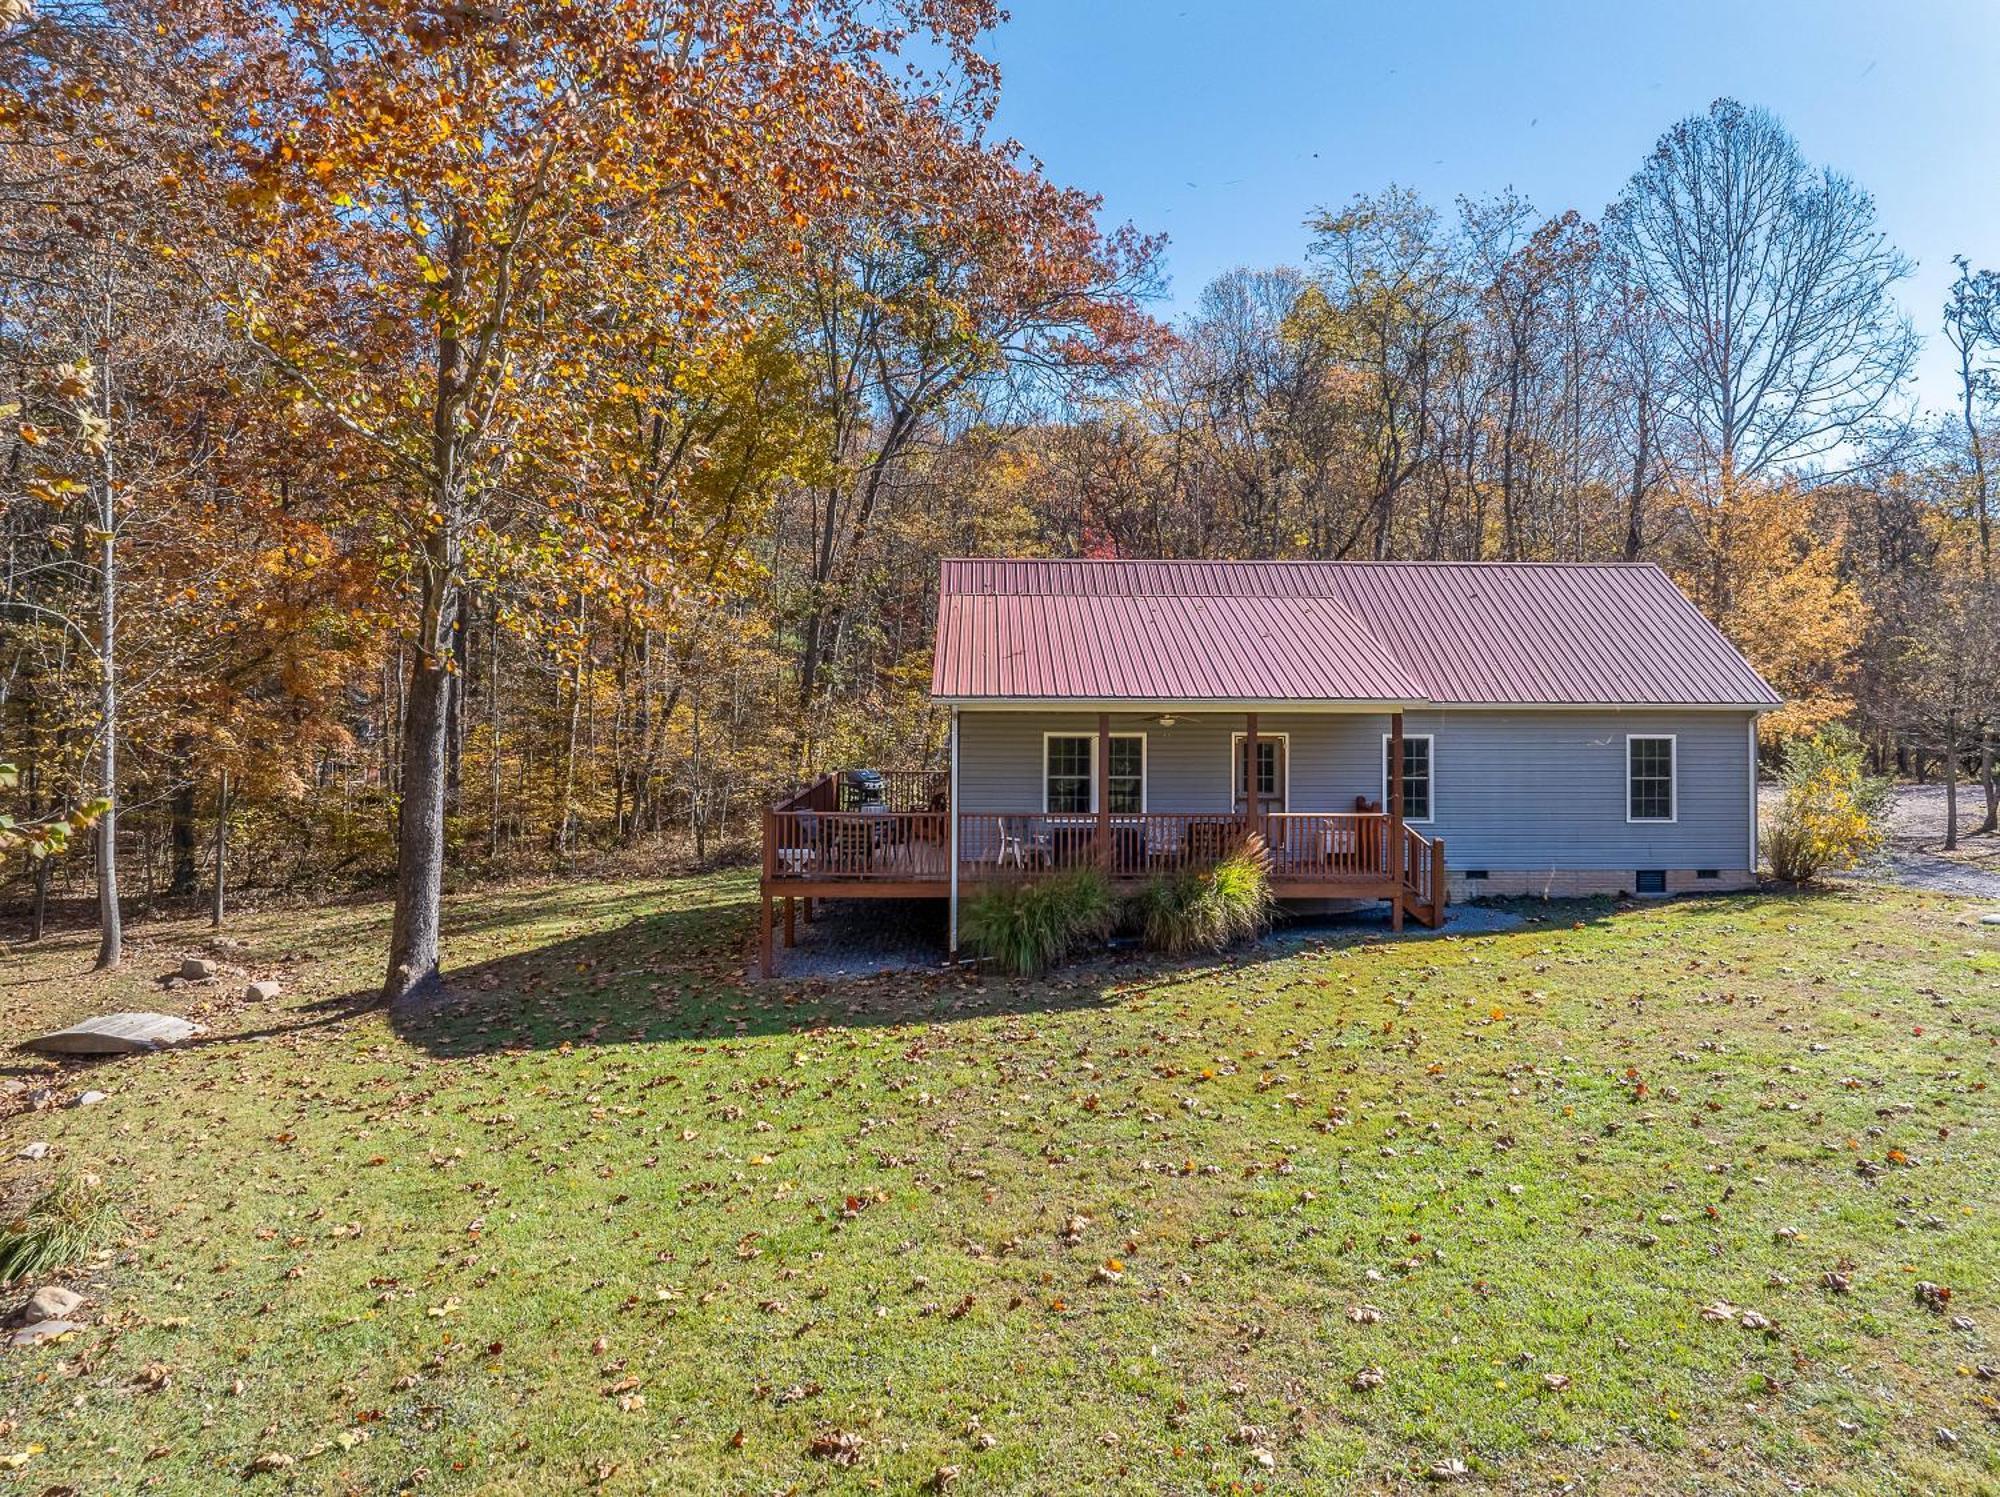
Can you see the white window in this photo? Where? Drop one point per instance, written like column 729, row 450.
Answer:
column 1649, row 777
column 1417, row 775
column 1069, row 772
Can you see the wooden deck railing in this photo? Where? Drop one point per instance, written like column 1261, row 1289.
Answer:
column 1141, row 843
column 902, row 790
column 858, row 846
column 889, row 835
column 1328, row 845
column 823, row 834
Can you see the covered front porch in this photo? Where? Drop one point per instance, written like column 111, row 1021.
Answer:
column 1139, row 794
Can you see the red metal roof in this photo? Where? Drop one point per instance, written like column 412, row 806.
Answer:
column 1452, row 633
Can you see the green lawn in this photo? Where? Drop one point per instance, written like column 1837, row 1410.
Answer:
column 617, row 1218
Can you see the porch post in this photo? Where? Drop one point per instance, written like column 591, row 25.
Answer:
column 1395, row 809
column 951, row 814
column 764, row 895
column 1104, row 790
column 1250, row 770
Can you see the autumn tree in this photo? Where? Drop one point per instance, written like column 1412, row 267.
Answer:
column 961, row 281
column 1773, row 288
column 456, row 224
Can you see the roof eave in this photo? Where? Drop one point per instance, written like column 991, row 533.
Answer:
column 1193, row 704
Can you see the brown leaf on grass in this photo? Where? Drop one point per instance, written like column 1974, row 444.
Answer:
column 1367, row 1378
column 1364, row 1314
column 1451, row 1468
column 842, row 1447
column 1933, row 1297
column 271, row 1460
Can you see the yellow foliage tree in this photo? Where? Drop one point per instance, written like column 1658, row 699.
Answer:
column 1773, row 582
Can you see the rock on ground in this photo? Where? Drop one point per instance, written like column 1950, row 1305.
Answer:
column 262, row 992
column 42, row 1330
column 116, row 1034
column 50, row 1302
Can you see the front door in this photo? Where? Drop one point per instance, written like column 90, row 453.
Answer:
column 1271, row 776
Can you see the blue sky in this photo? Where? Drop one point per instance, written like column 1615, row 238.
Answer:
column 1223, row 124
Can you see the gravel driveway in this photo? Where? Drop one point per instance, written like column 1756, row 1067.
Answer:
column 1913, row 856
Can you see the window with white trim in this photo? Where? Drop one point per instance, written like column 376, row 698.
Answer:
column 1649, row 777
column 1416, row 775
column 1069, row 772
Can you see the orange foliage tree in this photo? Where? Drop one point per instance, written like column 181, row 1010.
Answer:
column 459, row 231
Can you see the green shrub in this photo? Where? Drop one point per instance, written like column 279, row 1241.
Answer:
column 1026, row 926
column 1240, row 887
column 1831, row 813
column 62, row 1227
column 1206, row 910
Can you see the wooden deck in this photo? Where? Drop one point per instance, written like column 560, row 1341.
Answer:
column 837, row 839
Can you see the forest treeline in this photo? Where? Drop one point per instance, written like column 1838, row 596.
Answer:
column 484, row 436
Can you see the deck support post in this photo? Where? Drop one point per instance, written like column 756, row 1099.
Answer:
column 1438, row 881
column 1250, row 771
column 951, row 816
column 791, row 921
column 764, row 895
column 1397, row 852
column 1103, row 791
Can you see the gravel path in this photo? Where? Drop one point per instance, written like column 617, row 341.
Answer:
column 1913, row 857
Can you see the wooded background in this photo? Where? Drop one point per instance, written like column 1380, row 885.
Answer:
column 537, row 430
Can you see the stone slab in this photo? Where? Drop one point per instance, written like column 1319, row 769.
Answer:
column 116, row 1034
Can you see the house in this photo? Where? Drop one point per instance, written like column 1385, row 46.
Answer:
column 1563, row 729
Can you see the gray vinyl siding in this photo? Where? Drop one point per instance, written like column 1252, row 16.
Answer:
column 1546, row 790
column 1526, row 790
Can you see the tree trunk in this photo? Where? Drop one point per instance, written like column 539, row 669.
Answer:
column 413, row 939
column 185, row 879
column 38, row 915
column 1989, row 780
column 454, row 733
column 110, row 923
column 1950, row 783
column 221, row 851
column 1635, row 508
column 493, row 730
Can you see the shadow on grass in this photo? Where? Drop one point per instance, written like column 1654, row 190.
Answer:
column 678, row 977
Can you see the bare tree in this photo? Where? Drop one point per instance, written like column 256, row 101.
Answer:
column 1972, row 328
column 1773, row 287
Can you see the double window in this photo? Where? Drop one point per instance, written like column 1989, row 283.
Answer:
column 1069, row 772
column 1416, row 775
column 1649, row 777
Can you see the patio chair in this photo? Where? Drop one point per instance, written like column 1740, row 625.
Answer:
column 798, row 848
column 1024, row 842
column 853, row 845
column 1208, row 841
